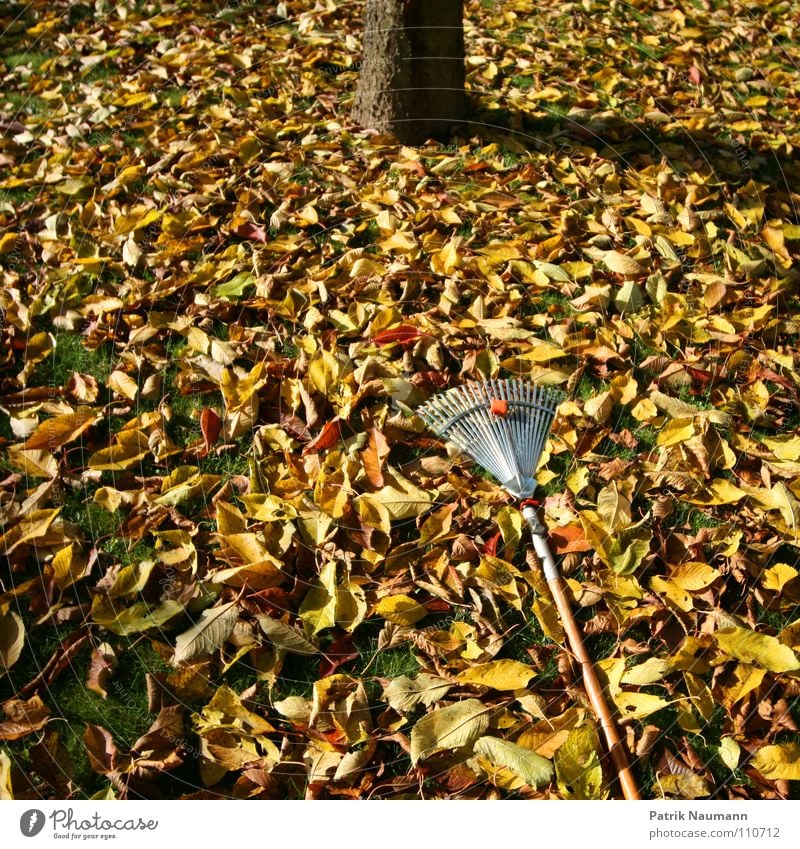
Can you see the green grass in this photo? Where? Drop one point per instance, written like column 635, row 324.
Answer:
column 516, row 646
column 27, row 58
column 589, row 387
column 94, row 522
column 521, row 82
column 97, row 73
column 547, row 303
column 127, row 552
column 24, row 102
column 394, row 662
column 174, row 96
column 18, row 196
column 689, row 517
column 774, row 619
column 123, row 713
column 70, row 355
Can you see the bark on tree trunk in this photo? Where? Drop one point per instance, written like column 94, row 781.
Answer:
column 412, row 72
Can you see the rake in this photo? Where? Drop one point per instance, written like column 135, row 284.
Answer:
column 503, row 426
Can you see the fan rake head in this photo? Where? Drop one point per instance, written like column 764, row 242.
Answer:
column 501, row 424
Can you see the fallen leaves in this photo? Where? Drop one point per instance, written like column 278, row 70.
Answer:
column 221, row 305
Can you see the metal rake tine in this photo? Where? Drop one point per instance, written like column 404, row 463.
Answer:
column 509, row 443
column 507, row 440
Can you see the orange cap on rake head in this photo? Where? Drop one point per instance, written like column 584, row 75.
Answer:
column 498, row 407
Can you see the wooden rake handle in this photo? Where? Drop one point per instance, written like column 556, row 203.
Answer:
column 591, row 683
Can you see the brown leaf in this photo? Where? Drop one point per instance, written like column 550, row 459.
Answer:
column 102, row 664
column 58, row 662
column 100, row 748
column 51, row 761
column 83, row 387
column 250, row 230
column 159, row 745
column 403, row 333
column 374, row 456
column 24, row 717
column 340, row 651
column 210, row 427
column 569, row 538
column 330, row 434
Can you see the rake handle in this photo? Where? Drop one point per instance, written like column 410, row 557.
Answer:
column 594, row 691
column 591, row 683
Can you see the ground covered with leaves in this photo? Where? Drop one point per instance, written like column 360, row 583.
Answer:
column 234, row 562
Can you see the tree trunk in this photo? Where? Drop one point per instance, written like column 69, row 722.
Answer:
column 412, row 72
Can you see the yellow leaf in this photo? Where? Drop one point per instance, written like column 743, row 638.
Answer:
column 308, row 214
column 622, row 264
column 578, row 770
column 547, row 616
column 693, row 575
column 69, row 565
column 318, row 610
column 268, row 508
column 137, row 218
column 53, row 433
column 683, row 786
column 324, row 371
column 501, row 252
column 7, row 242
column 525, row 764
column 644, row 410
column 675, row 432
column 134, row 619
column 546, row 93
column 33, row 526
column 702, row 700
column 351, row 606
column 123, row 384
column 253, row 564
column 38, row 464
column 447, row 260
column 600, row 407
column 509, row 521
column 373, row 513
column 37, row 348
column 780, row 762
column 651, row 671
column 364, row 267
column 784, row 447
column 437, row 526
column 638, row 705
column 498, row 674
column 596, row 533
column 790, row 635
column 455, row 727
column 719, row 491
column 777, row 576
column 744, row 679
column 12, row 640
column 400, row 609
column 752, row 647
column 130, row 446
column 183, row 483
column 400, row 240
column 401, row 498
column 730, row 752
